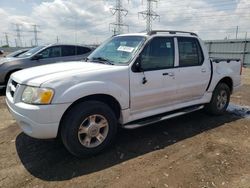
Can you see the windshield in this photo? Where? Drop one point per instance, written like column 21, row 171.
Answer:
column 17, row 53
column 31, row 52
column 118, row 50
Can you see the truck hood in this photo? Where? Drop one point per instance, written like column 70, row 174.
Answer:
column 36, row 76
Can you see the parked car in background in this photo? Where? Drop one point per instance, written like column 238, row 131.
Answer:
column 17, row 53
column 41, row 55
column 1, row 52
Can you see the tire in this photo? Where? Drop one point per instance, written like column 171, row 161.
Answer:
column 220, row 100
column 88, row 128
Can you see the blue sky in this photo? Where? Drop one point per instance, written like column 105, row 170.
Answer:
column 87, row 21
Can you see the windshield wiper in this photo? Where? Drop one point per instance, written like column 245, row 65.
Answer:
column 102, row 60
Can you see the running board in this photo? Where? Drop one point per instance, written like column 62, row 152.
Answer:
column 155, row 119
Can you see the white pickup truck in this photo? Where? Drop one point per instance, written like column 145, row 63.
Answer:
column 130, row 81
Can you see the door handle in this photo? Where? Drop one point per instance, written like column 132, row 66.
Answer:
column 203, row 70
column 168, row 74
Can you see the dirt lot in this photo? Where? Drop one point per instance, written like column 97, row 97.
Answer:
column 195, row 150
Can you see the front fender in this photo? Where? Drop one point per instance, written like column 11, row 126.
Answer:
column 84, row 89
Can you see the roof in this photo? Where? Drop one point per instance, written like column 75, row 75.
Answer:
column 163, row 32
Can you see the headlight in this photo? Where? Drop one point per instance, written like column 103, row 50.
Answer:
column 35, row 95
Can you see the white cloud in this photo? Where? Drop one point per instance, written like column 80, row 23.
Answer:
column 87, row 21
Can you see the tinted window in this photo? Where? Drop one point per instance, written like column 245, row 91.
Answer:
column 190, row 53
column 158, row 54
column 82, row 50
column 51, row 52
column 68, row 50
column 31, row 51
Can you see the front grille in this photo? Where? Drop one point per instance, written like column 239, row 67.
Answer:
column 12, row 88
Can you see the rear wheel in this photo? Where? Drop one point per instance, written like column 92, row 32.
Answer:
column 220, row 100
column 88, row 128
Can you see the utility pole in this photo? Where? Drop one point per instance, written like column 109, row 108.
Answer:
column 34, row 41
column 6, row 39
column 149, row 15
column 18, row 35
column 244, row 50
column 57, row 39
column 120, row 12
column 35, row 34
column 237, row 30
column 114, row 31
column 16, row 42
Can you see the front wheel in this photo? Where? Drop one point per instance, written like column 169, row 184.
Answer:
column 220, row 100
column 88, row 128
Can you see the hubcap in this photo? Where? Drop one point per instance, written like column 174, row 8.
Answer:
column 93, row 131
column 222, row 99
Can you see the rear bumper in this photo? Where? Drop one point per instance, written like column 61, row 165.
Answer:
column 38, row 121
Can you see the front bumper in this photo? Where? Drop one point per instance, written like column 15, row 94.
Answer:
column 37, row 121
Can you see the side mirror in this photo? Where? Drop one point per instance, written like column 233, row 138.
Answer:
column 138, row 67
column 37, row 57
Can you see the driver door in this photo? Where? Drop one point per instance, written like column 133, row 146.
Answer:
column 50, row 55
column 157, row 61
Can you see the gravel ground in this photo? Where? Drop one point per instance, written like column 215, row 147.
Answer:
column 195, row 150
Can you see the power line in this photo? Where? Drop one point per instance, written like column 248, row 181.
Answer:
column 149, row 15
column 120, row 12
column 171, row 10
column 204, row 12
column 211, row 4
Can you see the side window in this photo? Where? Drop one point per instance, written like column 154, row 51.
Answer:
column 68, row 50
column 51, row 52
column 82, row 50
column 158, row 54
column 190, row 53
column 45, row 53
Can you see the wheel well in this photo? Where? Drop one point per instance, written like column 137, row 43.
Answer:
column 107, row 99
column 8, row 75
column 228, row 81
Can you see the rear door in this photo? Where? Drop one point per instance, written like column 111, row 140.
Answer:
column 74, row 53
column 194, row 70
column 83, row 51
